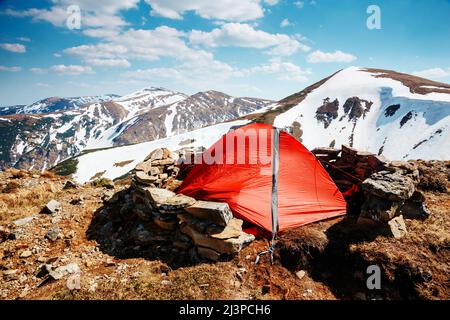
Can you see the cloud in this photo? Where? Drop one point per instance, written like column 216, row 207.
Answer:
column 271, row 2
column 71, row 69
column 109, row 62
column 328, row 57
column 14, row 47
column 282, row 69
column 10, row 69
column 285, row 23
column 244, row 35
column 24, row 39
column 38, row 70
column 299, row 4
column 433, row 73
column 228, row 10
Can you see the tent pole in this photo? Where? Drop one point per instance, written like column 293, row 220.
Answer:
column 274, row 194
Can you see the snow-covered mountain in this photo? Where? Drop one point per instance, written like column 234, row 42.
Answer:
column 385, row 112
column 397, row 115
column 54, row 104
column 41, row 140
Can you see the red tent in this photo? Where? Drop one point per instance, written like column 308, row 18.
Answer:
column 237, row 170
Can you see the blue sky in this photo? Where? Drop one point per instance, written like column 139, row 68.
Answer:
column 261, row 48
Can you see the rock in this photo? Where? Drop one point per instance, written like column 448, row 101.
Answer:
column 5, row 234
column 300, row 274
column 52, row 207
column 232, row 245
column 108, row 195
column 158, row 196
column 144, row 166
column 163, row 162
column 60, row 272
column 52, row 234
column 390, row 186
column 208, row 253
column 23, row 221
column 156, row 154
column 197, row 224
column 379, row 209
column 74, row 282
column 10, row 275
column 216, row 212
column 232, row 230
column 397, row 227
column 414, row 207
column 163, row 176
column 144, row 178
column 77, row 201
column 69, row 184
column 377, row 162
column 154, row 171
column 166, row 224
column 178, row 201
column 25, row 254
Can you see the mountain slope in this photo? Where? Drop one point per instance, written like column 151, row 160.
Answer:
column 40, row 141
column 54, row 104
column 385, row 112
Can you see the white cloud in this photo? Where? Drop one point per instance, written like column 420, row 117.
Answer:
column 229, row 10
column 285, row 23
column 71, row 69
column 38, row 70
column 24, row 39
column 327, row 57
column 433, row 73
column 299, row 4
column 10, row 69
column 271, row 2
column 282, row 69
column 244, row 35
column 13, row 47
column 109, row 62
column 57, row 55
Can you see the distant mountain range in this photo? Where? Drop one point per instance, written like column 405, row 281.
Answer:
column 40, row 135
column 385, row 112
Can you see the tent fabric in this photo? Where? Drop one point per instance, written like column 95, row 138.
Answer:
column 306, row 193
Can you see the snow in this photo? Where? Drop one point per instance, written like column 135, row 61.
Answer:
column 168, row 121
column 92, row 163
column 432, row 113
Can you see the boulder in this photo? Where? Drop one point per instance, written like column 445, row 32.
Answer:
column 232, row 245
column 24, row 221
column 144, row 166
column 52, row 207
column 158, row 196
column 197, row 224
column 216, row 212
column 156, row 154
column 163, row 162
column 415, row 207
column 69, row 184
column 179, row 201
column 144, row 178
column 379, row 209
column 397, row 227
column 390, row 186
column 166, row 224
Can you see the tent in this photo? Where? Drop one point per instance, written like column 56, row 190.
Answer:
column 238, row 170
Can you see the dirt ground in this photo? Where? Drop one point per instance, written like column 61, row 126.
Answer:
column 325, row 260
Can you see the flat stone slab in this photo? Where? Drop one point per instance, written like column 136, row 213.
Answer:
column 216, row 212
column 144, row 178
column 232, row 230
column 158, row 196
column 397, row 227
column 229, row 246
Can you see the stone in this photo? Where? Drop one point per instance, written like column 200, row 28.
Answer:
column 163, row 176
column 158, row 196
column 415, row 207
column 163, row 162
column 379, row 209
column 25, row 254
column 74, row 282
column 216, row 212
column 197, row 224
column 60, row 272
column 208, row 253
column 156, row 154
column 144, row 178
column 24, row 221
column 154, row 171
column 232, row 245
column 166, row 224
column 390, row 186
column 143, row 166
column 178, row 201
column 69, row 184
column 10, row 275
column 300, row 274
column 52, row 234
column 232, row 230
column 52, row 207
column 397, row 227
column 108, row 195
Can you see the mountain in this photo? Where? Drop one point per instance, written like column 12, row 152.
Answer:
column 389, row 113
column 385, row 112
column 53, row 104
column 41, row 140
